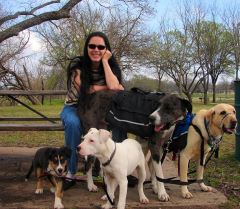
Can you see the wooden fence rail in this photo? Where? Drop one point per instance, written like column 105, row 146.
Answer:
column 51, row 124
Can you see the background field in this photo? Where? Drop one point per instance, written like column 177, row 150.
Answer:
column 222, row 173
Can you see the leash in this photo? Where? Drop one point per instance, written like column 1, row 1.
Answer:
column 108, row 197
column 104, row 165
column 191, row 181
column 183, row 124
column 166, row 148
column 177, row 182
column 215, row 148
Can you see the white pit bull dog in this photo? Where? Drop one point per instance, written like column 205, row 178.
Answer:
column 118, row 160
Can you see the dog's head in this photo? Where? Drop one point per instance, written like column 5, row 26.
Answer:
column 57, row 161
column 171, row 109
column 94, row 142
column 222, row 117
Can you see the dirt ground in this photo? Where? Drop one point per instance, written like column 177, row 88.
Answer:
column 15, row 193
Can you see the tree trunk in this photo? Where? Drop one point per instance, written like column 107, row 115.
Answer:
column 189, row 96
column 205, row 97
column 214, row 92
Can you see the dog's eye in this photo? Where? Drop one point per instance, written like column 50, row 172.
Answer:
column 234, row 112
column 55, row 160
column 223, row 113
column 91, row 140
column 62, row 160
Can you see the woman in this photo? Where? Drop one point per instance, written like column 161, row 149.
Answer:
column 96, row 70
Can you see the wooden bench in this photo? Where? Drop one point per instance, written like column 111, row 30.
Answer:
column 51, row 124
column 30, row 127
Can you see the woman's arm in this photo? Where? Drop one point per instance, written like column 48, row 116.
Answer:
column 111, row 79
column 77, row 78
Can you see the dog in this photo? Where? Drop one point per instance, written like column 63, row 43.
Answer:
column 170, row 110
column 211, row 124
column 118, row 160
column 50, row 162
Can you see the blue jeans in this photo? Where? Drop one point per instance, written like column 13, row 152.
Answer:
column 73, row 133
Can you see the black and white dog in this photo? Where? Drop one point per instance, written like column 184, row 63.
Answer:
column 170, row 110
column 51, row 162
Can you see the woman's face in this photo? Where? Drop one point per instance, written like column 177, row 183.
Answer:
column 96, row 48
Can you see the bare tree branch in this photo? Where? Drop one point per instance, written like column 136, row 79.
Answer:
column 14, row 30
column 31, row 12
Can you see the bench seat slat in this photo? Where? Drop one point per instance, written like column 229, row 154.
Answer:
column 31, row 127
column 26, row 119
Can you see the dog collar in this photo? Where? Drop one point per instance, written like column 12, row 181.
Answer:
column 111, row 157
column 212, row 141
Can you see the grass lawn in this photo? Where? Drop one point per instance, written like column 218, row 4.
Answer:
column 32, row 138
column 222, row 173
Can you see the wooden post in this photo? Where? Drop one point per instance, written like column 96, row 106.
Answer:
column 42, row 101
column 237, row 106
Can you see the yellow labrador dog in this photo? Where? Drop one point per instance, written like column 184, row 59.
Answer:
column 207, row 130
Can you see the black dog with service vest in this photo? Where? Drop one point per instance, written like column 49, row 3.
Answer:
column 162, row 112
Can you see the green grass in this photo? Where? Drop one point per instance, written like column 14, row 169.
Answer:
column 222, row 173
column 32, row 138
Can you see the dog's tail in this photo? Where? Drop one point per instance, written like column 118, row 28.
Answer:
column 29, row 172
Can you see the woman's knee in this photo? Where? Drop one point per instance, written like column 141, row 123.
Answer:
column 73, row 122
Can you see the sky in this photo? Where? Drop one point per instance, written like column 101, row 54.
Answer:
column 166, row 8
column 163, row 8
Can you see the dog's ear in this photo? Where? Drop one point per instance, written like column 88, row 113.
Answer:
column 50, row 153
column 209, row 114
column 104, row 134
column 92, row 129
column 186, row 104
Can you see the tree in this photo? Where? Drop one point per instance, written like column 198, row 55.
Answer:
column 14, row 72
column 32, row 18
column 216, row 45
column 152, row 57
column 66, row 38
column 231, row 19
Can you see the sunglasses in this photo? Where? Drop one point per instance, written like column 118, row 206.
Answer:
column 93, row 46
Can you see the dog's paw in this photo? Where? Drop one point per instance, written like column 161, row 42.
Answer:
column 104, row 197
column 39, row 191
column 155, row 188
column 106, row 206
column 206, row 188
column 92, row 188
column 52, row 189
column 163, row 197
column 144, row 200
column 187, row 195
column 58, row 203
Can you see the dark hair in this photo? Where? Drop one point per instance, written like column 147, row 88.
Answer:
column 86, row 65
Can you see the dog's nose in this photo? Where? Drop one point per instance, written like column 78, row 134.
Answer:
column 60, row 170
column 78, row 148
column 233, row 124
